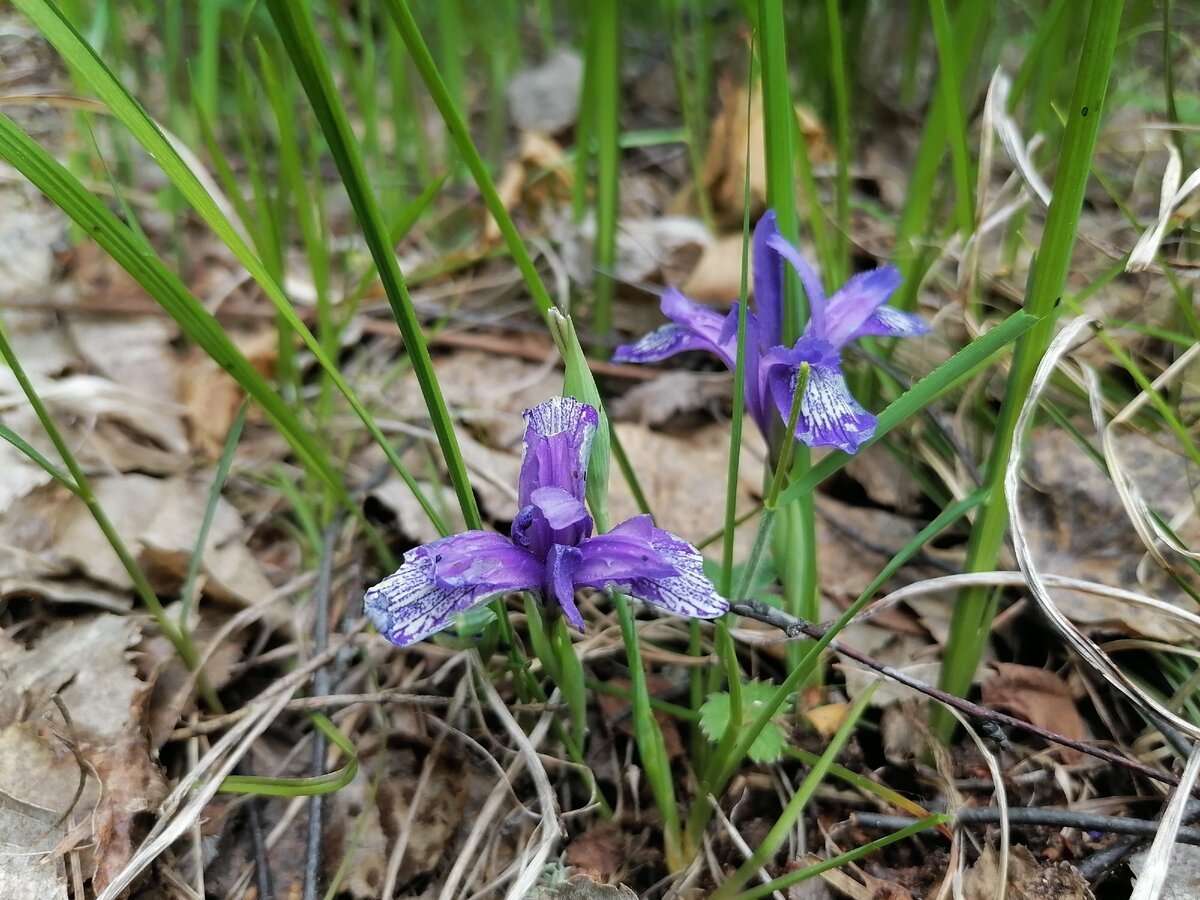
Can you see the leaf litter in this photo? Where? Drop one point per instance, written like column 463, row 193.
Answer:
column 136, row 409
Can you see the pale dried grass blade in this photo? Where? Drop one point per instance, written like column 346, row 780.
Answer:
column 1171, row 196
column 1154, row 873
column 1038, row 588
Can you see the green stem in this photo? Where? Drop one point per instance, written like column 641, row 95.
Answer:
column 973, row 614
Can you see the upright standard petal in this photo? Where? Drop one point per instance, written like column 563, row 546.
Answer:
column 558, row 443
column 439, row 580
column 652, row 565
column 808, row 277
column 887, row 321
column 767, row 269
column 829, row 414
column 857, row 302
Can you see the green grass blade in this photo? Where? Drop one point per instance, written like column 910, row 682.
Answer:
column 309, row 786
column 973, row 613
column 604, row 82
column 79, row 54
column 91, row 215
column 461, row 135
column 962, row 365
column 299, row 35
column 36, row 456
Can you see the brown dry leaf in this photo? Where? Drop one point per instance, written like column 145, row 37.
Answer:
column 661, row 250
column 1028, row 879
column 132, row 790
column 717, row 276
column 737, row 132
column 601, row 851
column 50, row 533
column 661, row 399
column 210, row 395
column 1038, row 696
column 87, row 665
column 538, row 177
column 827, row 718
column 683, row 479
column 1076, row 527
column 109, row 427
column 27, row 833
column 369, row 843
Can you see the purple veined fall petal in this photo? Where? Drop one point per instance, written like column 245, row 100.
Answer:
column 857, row 301
column 693, row 327
column 562, row 564
column 829, row 414
column 449, row 576
column 558, row 443
column 817, row 304
column 887, row 321
column 660, row 344
column 685, row 592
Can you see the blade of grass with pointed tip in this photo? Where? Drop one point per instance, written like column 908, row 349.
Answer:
column 84, row 60
column 461, row 135
column 299, row 35
column 971, row 624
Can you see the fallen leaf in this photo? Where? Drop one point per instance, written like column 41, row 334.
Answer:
column 1028, row 879
column 600, row 851
column 1183, row 876
column 49, row 534
column 677, row 391
column 827, row 718
column 27, row 833
column 678, row 474
column 211, row 397
column 583, row 887
column 546, row 97
column 364, row 825
column 1038, row 696
column 717, row 275
column 1077, row 527
column 659, row 250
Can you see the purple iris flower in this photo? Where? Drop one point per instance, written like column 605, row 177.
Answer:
column 552, row 550
column 829, row 414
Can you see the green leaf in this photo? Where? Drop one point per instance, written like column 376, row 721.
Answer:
column 768, row 747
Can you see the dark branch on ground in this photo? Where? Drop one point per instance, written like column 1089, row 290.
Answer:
column 987, row 720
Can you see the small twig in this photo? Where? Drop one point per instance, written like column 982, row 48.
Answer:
column 1049, row 818
column 263, row 881
column 988, row 720
column 1102, row 862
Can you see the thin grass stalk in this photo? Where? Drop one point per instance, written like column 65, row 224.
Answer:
column 605, row 85
column 795, row 806
column 146, row 269
column 795, row 546
column 950, row 80
column 839, row 78
column 973, row 613
column 299, row 35
column 411, row 35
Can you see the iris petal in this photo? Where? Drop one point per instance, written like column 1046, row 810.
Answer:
column 817, row 305
column 562, row 563
column 652, row 565
column 887, row 321
column 439, row 580
column 829, row 414
column 558, row 442
column 857, row 302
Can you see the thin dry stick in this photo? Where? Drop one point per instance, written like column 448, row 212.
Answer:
column 1043, row 818
column 988, row 720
